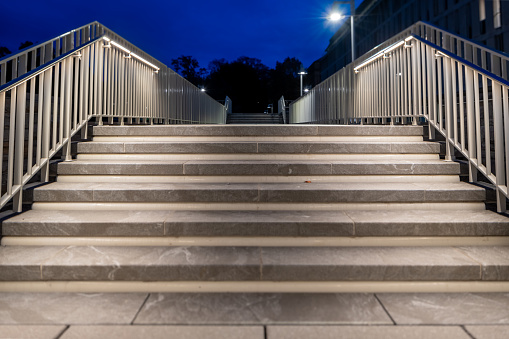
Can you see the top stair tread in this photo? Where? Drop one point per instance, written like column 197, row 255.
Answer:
column 316, row 147
column 257, row 130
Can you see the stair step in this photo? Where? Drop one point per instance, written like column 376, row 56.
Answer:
column 258, row 130
column 260, row 193
column 260, row 168
column 237, row 264
column 406, row 223
column 260, row 147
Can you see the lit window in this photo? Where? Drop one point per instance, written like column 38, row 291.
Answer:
column 497, row 16
column 482, row 10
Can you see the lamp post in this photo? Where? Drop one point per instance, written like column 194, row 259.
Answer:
column 336, row 16
column 302, row 73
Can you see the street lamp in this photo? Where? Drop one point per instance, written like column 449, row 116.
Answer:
column 336, row 15
column 302, row 73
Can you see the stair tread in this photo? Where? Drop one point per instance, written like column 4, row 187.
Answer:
column 244, row 130
column 258, row 147
column 254, row 263
column 258, row 167
column 259, row 192
column 256, row 223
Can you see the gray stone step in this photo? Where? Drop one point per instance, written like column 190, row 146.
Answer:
column 259, row 147
column 260, row 193
column 238, row 264
column 258, row 130
column 406, row 223
column 257, row 168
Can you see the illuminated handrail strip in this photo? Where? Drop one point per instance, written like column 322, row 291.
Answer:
column 131, row 53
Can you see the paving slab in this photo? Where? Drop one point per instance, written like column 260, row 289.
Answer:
column 366, row 332
column 489, row 332
column 24, row 264
column 89, row 263
column 367, row 264
column 426, row 223
column 30, row 331
column 69, row 308
column 258, row 223
column 253, row 130
column 265, row 193
column 164, row 332
column 120, row 167
column 494, row 260
column 85, row 223
column 249, row 309
column 447, row 308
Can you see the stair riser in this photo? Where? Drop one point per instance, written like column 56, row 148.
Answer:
column 255, row 139
column 225, row 130
column 143, row 206
column 259, row 157
column 254, row 169
column 252, row 264
column 257, row 148
column 258, row 179
column 240, row 195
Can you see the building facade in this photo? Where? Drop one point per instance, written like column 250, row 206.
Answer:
column 484, row 21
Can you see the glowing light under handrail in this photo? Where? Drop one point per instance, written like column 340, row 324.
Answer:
column 382, row 53
column 132, row 54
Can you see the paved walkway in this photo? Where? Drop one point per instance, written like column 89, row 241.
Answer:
column 254, row 316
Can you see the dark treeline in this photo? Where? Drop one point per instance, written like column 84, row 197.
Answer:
column 251, row 85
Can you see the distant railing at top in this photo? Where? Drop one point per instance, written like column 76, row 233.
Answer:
column 413, row 80
column 281, row 108
column 103, row 78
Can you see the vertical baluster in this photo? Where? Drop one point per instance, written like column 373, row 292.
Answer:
column 2, row 128
column 462, row 107
column 472, row 149
column 19, row 147
column 454, row 101
column 55, row 105
column 31, row 116
column 12, row 126
column 46, row 124
column 39, row 120
column 478, row 119
column 448, row 109
column 66, row 122
column 487, row 123
column 499, row 146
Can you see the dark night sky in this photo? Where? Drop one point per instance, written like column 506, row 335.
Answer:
column 270, row 30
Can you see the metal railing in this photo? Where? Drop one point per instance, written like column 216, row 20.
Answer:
column 105, row 77
column 414, row 80
column 281, row 108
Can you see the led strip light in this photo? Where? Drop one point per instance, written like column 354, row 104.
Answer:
column 132, row 54
column 383, row 53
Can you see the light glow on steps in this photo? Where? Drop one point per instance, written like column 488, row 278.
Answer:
column 206, row 206
column 256, row 287
column 257, row 179
column 253, row 156
column 248, row 138
column 257, row 241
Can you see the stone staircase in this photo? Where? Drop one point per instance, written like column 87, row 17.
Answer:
column 254, row 118
column 256, row 209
